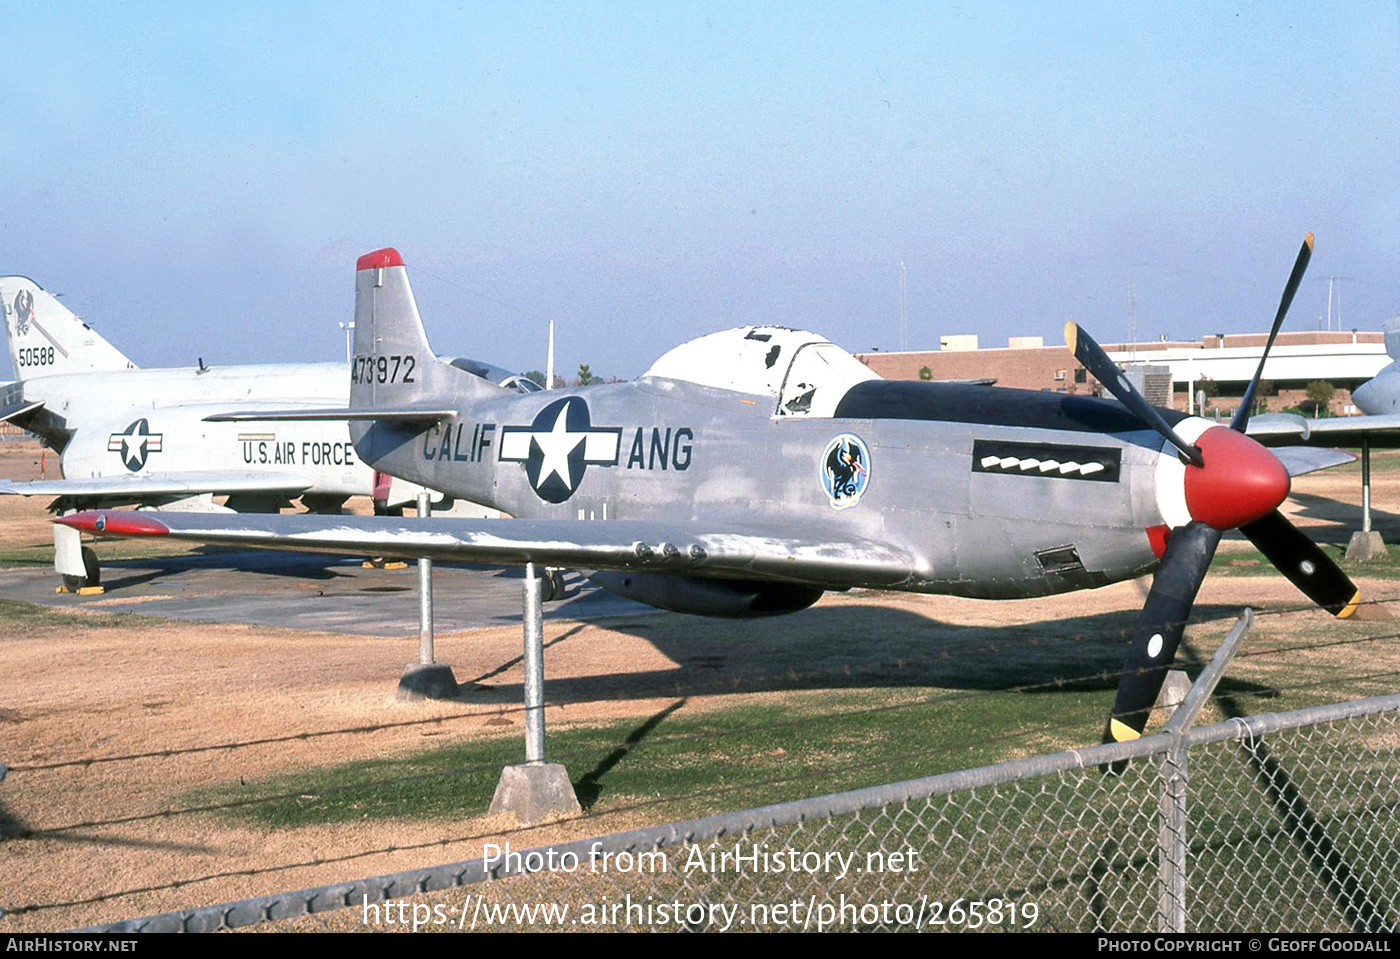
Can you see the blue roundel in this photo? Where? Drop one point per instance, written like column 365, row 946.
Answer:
column 845, row 470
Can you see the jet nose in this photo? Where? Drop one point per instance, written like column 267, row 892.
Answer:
column 1238, row 482
column 1361, row 396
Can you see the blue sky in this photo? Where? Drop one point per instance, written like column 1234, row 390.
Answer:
column 198, row 179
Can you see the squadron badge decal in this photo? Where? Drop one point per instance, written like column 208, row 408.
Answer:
column 845, row 470
column 24, row 311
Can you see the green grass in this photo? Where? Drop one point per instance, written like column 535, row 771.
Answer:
column 30, row 620
column 749, row 755
column 1241, row 559
column 13, row 555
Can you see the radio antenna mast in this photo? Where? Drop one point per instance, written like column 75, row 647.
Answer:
column 903, row 310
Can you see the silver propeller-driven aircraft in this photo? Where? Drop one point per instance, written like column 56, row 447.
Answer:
column 129, row 435
column 748, row 471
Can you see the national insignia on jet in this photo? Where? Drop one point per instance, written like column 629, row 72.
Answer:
column 134, row 444
column 1049, row 460
column 845, row 470
column 559, row 446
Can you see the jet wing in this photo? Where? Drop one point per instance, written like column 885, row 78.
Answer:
column 1285, row 429
column 161, row 484
column 654, row 546
column 1379, row 431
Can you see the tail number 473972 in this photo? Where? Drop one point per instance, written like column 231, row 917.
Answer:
column 382, row 369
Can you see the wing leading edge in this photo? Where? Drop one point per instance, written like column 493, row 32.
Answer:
column 162, row 484
column 674, row 548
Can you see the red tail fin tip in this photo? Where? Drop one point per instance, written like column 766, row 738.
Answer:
column 379, row 259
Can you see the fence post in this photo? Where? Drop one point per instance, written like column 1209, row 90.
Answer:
column 1171, row 837
column 1171, row 830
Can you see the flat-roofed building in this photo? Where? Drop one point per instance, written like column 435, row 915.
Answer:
column 1221, row 365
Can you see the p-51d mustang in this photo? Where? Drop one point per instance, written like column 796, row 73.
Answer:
column 748, row 471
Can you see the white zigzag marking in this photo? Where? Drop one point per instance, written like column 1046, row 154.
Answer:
column 1045, row 466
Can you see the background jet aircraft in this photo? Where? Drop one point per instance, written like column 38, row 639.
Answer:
column 1378, row 399
column 1380, row 395
column 128, row 435
column 748, row 471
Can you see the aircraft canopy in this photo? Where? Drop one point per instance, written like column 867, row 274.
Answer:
column 806, row 374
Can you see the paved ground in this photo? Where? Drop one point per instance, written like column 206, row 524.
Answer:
column 296, row 591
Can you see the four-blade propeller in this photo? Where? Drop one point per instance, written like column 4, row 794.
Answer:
column 1231, row 482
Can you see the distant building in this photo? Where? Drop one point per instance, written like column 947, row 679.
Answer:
column 1226, row 361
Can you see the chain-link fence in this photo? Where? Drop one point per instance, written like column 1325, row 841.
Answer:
column 1287, row 822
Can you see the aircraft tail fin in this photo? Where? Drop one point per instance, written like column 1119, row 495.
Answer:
column 45, row 337
column 393, row 366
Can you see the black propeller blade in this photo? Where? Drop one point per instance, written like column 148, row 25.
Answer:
column 1159, row 628
column 1300, row 266
column 1191, row 547
column 1304, row 563
column 1096, row 361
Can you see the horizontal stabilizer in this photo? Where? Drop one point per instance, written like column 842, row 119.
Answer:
column 162, row 484
column 662, row 547
column 19, row 407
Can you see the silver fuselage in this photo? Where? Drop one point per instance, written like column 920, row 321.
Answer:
column 684, row 452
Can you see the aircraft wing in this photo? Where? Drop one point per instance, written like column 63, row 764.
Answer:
column 161, row 484
column 1309, row 459
column 1286, row 429
column 654, row 546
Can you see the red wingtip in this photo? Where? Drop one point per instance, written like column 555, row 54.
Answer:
column 109, row 522
column 379, row 259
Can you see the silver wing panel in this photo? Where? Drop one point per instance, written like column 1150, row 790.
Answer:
column 661, row 547
column 1309, row 459
column 1282, row 429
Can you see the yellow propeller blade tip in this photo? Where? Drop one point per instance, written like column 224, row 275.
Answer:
column 1351, row 606
column 1121, row 732
column 1309, row 241
column 1071, row 334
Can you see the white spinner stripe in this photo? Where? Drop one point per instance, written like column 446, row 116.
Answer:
column 1171, row 473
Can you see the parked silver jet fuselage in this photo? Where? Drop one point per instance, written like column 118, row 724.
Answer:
column 145, row 421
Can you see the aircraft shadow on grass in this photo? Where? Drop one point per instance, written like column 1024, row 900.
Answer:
column 852, row 648
column 1346, row 516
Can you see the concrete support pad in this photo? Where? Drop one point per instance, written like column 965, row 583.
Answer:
column 535, row 793
column 426, row 681
column 1365, row 547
